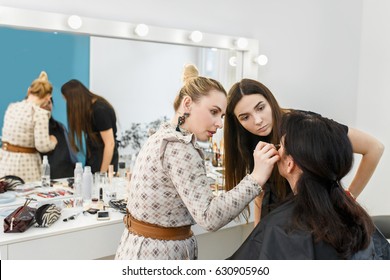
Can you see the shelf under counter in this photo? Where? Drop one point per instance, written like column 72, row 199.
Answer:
column 82, row 238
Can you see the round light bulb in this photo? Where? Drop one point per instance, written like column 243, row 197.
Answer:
column 75, row 22
column 196, row 36
column 261, row 59
column 242, row 43
column 233, row 61
column 141, row 30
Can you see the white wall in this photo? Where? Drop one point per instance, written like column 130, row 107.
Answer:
column 327, row 56
column 374, row 96
column 114, row 62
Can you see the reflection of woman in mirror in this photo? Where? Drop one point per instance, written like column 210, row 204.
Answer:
column 169, row 190
column 93, row 116
column 62, row 159
column 253, row 115
column 26, row 133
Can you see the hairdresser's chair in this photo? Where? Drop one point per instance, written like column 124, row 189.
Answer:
column 383, row 224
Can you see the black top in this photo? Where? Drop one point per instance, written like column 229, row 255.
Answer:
column 62, row 159
column 272, row 239
column 103, row 118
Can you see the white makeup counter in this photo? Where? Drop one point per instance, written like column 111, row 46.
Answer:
column 82, row 238
column 87, row 238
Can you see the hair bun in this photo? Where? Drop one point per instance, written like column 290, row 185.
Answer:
column 43, row 77
column 190, row 72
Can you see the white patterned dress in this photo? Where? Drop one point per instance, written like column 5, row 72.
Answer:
column 25, row 125
column 169, row 188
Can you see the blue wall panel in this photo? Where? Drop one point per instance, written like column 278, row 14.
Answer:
column 24, row 54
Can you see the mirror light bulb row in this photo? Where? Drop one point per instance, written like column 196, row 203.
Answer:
column 75, row 22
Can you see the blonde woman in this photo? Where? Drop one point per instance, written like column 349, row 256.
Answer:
column 26, row 132
column 169, row 189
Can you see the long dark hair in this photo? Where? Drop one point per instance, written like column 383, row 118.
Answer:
column 79, row 100
column 240, row 143
column 323, row 151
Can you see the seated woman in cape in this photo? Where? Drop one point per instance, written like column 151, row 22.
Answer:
column 320, row 220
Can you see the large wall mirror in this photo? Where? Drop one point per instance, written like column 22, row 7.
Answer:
column 139, row 74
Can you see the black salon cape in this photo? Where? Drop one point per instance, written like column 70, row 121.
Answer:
column 270, row 241
column 62, row 159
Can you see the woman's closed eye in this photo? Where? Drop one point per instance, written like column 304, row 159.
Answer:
column 260, row 107
column 214, row 112
column 243, row 118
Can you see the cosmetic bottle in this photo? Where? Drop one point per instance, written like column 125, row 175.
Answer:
column 122, row 169
column 77, row 186
column 45, row 172
column 110, row 173
column 87, row 185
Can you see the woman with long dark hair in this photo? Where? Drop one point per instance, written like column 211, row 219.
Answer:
column 321, row 220
column 62, row 159
column 92, row 116
column 252, row 115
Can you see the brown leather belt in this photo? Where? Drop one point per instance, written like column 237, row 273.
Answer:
column 17, row 149
column 156, row 232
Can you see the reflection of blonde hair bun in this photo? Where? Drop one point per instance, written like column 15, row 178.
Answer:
column 43, row 77
column 190, row 72
column 41, row 86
